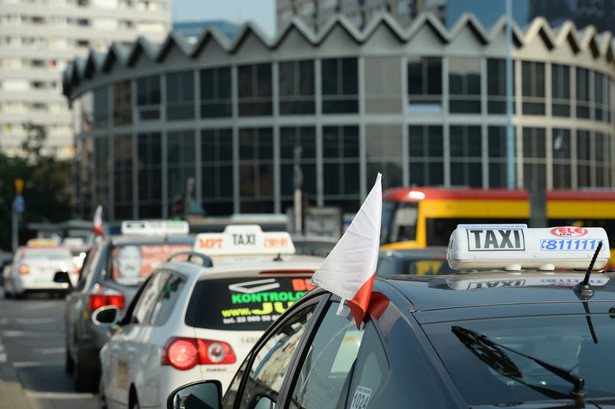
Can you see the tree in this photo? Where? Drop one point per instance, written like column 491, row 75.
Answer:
column 46, row 189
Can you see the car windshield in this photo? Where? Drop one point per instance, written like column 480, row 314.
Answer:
column 573, row 343
column 132, row 263
column 242, row 304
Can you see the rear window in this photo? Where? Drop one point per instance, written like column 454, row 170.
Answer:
column 242, row 304
column 47, row 254
column 133, row 263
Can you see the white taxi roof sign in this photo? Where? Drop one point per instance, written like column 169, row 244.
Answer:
column 244, row 240
column 515, row 246
column 155, row 227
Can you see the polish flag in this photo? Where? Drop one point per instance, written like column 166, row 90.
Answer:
column 98, row 224
column 350, row 268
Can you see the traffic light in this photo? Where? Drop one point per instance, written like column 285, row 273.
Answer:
column 177, row 208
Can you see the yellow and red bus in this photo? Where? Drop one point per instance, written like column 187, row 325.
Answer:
column 421, row 217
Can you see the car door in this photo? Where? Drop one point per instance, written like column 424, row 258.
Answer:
column 120, row 352
column 150, row 337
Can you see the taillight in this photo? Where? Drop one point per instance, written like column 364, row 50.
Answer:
column 101, row 296
column 185, row 353
column 23, row 269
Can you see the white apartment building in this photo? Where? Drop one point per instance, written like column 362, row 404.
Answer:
column 37, row 40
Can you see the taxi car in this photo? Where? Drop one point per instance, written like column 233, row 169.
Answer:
column 199, row 318
column 112, row 271
column 532, row 328
column 33, row 268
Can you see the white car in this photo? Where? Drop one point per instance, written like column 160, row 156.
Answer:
column 198, row 319
column 33, row 268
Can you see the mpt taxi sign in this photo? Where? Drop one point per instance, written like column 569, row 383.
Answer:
column 244, row 240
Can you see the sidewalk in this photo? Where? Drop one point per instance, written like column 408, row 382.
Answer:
column 12, row 396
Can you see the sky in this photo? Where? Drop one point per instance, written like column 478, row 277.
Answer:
column 260, row 12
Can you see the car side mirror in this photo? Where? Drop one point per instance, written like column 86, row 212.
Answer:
column 108, row 315
column 197, row 395
column 62, row 277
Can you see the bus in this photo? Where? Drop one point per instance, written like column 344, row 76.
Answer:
column 419, row 217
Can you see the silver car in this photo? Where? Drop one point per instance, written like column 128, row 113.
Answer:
column 112, row 271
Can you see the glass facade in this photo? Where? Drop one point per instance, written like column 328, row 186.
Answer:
column 249, row 131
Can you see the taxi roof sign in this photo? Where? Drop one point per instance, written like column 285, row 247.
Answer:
column 155, row 227
column 515, row 246
column 244, row 240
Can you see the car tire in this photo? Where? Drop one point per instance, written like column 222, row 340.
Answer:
column 83, row 379
column 69, row 365
column 102, row 399
column 135, row 403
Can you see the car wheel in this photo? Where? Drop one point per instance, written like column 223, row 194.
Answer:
column 101, row 395
column 70, row 364
column 83, row 379
column 135, row 403
column 7, row 293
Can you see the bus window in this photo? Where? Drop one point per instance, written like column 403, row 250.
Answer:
column 404, row 222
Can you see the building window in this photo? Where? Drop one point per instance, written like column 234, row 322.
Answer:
column 561, row 153
column 297, row 94
column 384, row 154
column 341, row 163
column 602, row 97
column 533, row 87
column 217, row 170
column 464, row 85
column 150, row 174
column 583, row 88
column 180, row 96
column 426, row 150
column 496, row 145
column 603, row 159
column 216, row 94
column 255, row 90
column 181, row 162
column 304, row 139
column 148, row 98
column 583, row 159
column 340, row 85
column 425, row 85
column 534, row 158
column 122, row 176
column 496, row 86
column 560, row 88
column 383, row 84
column 256, row 170
column 122, row 103
column 466, row 156
column 101, row 108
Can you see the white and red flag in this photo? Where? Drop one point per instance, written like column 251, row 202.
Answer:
column 98, row 223
column 350, row 268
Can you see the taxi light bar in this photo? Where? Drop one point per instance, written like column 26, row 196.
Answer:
column 155, row 227
column 244, row 240
column 515, row 246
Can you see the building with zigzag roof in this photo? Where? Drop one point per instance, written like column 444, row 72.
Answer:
column 423, row 104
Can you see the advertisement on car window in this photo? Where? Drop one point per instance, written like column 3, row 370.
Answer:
column 243, row 304
column 132, row 263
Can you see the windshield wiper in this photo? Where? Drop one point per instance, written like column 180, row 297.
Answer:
column 493, row 354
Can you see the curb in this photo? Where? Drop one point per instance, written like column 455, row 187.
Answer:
column 12, row 394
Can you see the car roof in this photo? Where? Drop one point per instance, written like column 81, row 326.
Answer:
column 231, row 267
column 491, row 288
column 153, row 239
column 408, row 254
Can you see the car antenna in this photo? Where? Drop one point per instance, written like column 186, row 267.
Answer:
column 584, row 289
